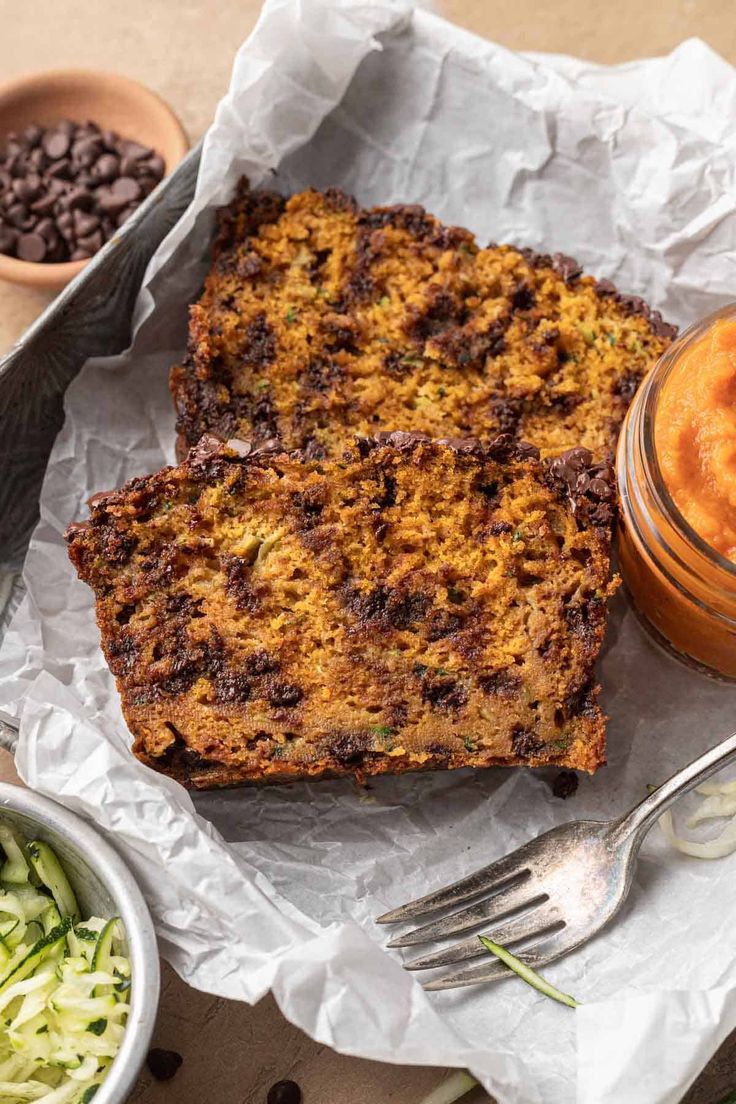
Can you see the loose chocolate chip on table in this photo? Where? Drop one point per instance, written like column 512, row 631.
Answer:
column 565, row 784
column 284, row 1092
column 163, row 1064
column 31, row 247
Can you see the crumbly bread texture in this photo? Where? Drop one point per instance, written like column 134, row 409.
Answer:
column 414, row 604
column 319, row 321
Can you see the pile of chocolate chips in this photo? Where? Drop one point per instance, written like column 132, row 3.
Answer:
column 65, row 189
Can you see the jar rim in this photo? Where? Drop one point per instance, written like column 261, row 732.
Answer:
column 653, row 385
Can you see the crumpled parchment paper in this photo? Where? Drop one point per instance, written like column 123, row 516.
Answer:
column 632, row 170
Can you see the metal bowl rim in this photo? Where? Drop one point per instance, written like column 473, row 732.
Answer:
column 133, row 911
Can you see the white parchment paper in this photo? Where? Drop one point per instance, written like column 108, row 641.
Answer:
column 632, row 170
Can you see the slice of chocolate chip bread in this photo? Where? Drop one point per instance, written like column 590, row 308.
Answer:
column 320, row 320
column 415, row 604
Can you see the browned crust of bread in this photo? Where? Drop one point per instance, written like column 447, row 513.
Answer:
column 321, row 320
column 412, row 605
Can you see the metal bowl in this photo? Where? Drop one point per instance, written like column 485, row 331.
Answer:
column 104, row 887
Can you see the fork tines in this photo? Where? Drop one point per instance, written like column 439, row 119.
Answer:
column 505, row 891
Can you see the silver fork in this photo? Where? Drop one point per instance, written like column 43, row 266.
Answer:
column 553, row 893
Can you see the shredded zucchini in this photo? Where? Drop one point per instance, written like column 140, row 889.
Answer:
column 531, row 977
column 64, row 984
column 455, row 1086
column 719, row 803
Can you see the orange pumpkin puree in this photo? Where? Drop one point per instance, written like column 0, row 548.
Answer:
column 695, row 436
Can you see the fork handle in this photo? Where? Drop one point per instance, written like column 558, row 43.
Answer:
column 641, row 818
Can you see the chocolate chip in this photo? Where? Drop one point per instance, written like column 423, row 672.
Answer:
column 567, row 267
column 163, row 1064
column 85, row 151
column 109, row 202
column 91, row 242
column 8, row 238
column 27, row 190
column 37, row 159
column 606, row 288
column 65, row 225
column 126, row 188
column 55, row 144
column 129, row 166
column 85, row 223
column 68, row 187
column 284, row 1092
column 106, row 168
column 601, row 488
column 525, row 743
column 148, row 183
column 44, row 205
column 31, row 247
column 155, row 166
column 660, row 327
column 284, row 695
column 126, row 213
column 565, row 784
column 135, row 150
column 60, row 168
column 46, row 227
column 20, row 217
column 78, row 198
column 32, row 135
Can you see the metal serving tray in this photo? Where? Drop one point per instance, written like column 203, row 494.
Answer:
column 91, row 317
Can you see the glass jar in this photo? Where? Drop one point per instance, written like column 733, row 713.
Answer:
column 684, row 590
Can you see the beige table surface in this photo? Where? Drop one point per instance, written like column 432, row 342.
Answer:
column 183, row 48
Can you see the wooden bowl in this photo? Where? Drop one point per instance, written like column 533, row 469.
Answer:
column 114, row 103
